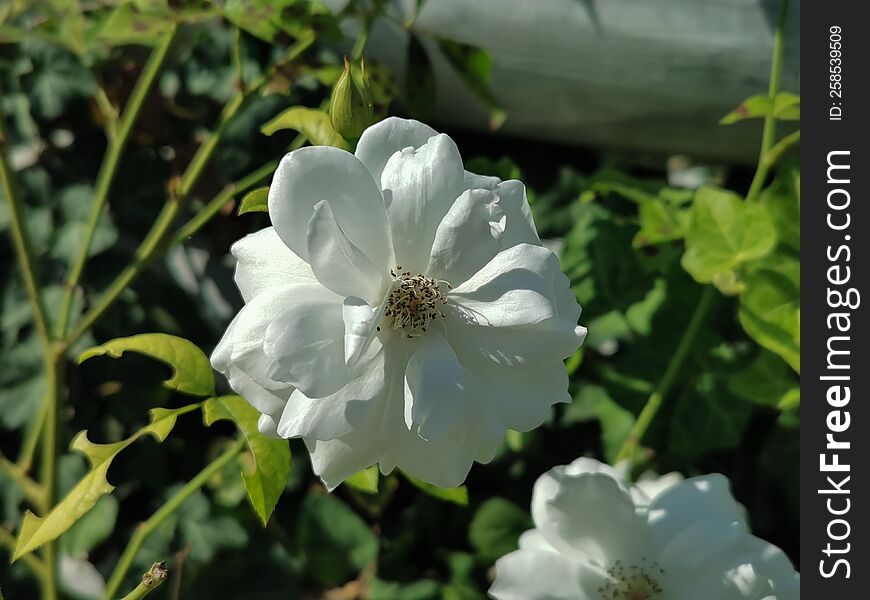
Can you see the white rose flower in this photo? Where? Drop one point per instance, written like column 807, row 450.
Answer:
column 598, row 538
column 400, row 311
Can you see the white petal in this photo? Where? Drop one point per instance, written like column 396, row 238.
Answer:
column 444, row 461
column 340, row 413
column 264, row 261
column 698, row 498
column 337, row 263
column 309, row 175
column 419, row 187
column 433, row 387
column 519, row 224
column 518, row 310
column 304, row 344
column 336, row 460
column 538, row 574
column 360, row 327
column 589, row 514
column 467, row 238
column 516, row 398
column 380, row 141
column 514, row 288
column 241, row 347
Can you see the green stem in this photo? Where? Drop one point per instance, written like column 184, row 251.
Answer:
column 208, row 211
column 32, row 490
column 768, row 133
column 654, row 402
column 31, row 439
column 21, row 239
column 54, row 363
column 151, row 246
column 151, row 580
column 109, row 112
column 107, row 172
column 145, row 529
column 32, row 562
column 781, row 147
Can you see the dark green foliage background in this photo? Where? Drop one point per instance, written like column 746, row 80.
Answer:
column 623, row 233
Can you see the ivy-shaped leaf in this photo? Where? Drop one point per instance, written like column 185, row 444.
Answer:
column 723, row 233
column 770, row 312
column 36, row 531
column 365, row 481
column 192, row 373
column 310, row 122
column 455, row 495
column 271, row 457
column 255, row 201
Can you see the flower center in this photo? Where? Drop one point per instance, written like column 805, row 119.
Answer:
column 634, row 582
column 415, row 301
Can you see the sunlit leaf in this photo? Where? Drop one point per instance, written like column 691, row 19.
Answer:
column 310, row 122
column 455, row 495
column 192, row 373
column 364, row 481
column 271, row 457
column 255, row 201
column 723, row 233
column 126, row 25
column 786, row 107
column 770, row 310
column 36, row 531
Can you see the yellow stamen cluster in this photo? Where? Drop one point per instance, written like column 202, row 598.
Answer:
column 415, row 301
column 632, row 582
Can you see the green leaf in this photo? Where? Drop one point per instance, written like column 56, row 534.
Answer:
column 191, row 371
column 260, row 18
column 783, row 204
column 473, row 65
column 425, row 589
column 593, row 402
column 255, row 201
column 126, row 25
column 455, row 495
column 93, row 528
column 364, row 481
column 36, row 531
column 271, row 457
column 707, row 417
column 334, row 543
column 786, row 107
column 419, row 87
column 767, row 381
column 310, row 122
column 770, row 309
column 724, row 232
column 496, row 527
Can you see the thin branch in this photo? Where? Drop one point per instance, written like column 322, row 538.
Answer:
column 145, row 529
column 654, row 402
column 768, row 134
column 108, row 170
column 21, row 238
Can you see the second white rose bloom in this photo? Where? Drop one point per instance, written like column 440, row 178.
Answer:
column 401, row 311
column 597, row 537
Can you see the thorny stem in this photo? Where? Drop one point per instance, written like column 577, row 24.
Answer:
column 146, row 528
column 768, row 133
